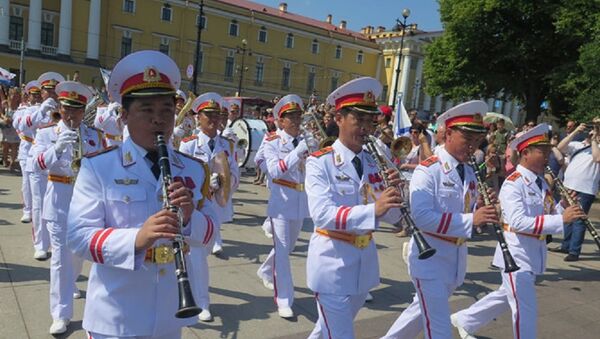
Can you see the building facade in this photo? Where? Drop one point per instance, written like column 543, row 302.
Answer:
column 272, row 50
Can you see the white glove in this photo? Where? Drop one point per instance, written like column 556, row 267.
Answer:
column 302, row 149
column 215, row 182
column 228, row 133
column 65, row 138
column 48, row 106
column 113, row 108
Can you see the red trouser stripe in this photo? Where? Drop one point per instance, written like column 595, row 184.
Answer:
column 324, row 317
column 514, row 292
column 422, row 298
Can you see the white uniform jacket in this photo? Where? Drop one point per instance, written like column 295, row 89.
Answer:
column 114, row 195
column 109, row 122
column 197, row 147
column 45, row 158
column 528, row 210
column 285, row 168
column 26, row 128
column 339, row 200
column 442, row 205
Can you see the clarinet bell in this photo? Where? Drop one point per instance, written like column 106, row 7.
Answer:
column 187, row 305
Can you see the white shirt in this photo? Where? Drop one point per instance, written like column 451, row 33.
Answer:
column 583, row 173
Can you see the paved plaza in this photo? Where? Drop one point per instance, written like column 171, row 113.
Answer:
column 568, row 294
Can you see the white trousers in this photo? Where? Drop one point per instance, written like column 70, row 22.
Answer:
column 40, row 236
column 276, row 267
column 336, row 315
column 517, row 294
column 429, row 312
column 173, row 335
column 25, row 188
column 201, row 276
column 64, row 270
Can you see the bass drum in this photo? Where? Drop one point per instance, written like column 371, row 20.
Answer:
column 250, row 133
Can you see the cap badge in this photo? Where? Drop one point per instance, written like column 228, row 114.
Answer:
column 369, row 97
column 477, row 118
column 151, row 74
column 73, row 95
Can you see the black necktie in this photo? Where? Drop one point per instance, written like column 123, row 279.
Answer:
column 211, row 144
column 538, row 181
column 460, row 168
column 358, row 166
column 155, row 168
column 295, row 142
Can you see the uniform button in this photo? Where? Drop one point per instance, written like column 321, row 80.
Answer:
column 126, row 199
column 162, row 272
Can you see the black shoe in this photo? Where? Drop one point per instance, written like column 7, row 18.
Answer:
column 558, row 249
column 572, row 257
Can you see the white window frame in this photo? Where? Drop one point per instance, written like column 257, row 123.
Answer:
column 237, row 28
column 165, row 42
column 134, row 6
column 287, row 37
column 198, row 21
column 360, row 57
column 163, row 8
column 314, row 43
column 335, row 55
column 261, row 30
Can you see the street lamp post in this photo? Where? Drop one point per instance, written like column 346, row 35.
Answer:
column 197, row 56
column 402, row 26
column 242, row 50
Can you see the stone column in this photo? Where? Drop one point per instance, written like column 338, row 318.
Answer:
column 438, row 104
column 4, row 21
column 34, row 36
column 418, row 82
column 93, row 43
column 490, row 102
column 403, row 88
column 64, row 30
column 427, row 103
column 394, row 79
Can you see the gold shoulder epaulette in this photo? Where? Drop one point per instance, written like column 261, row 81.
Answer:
column 430, row 161
column 108, row 149
column 514, row 176
column 189, row 156
column 322, row 151
column 272, row 137
column 190, row 138
column 94, row 128
column 50, row 124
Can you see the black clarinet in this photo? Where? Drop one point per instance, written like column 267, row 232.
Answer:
column 187, row 305
column 425, row 250
column 564, row 193
column 482, row 187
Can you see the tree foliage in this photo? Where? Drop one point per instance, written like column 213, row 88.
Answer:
column 525, row 49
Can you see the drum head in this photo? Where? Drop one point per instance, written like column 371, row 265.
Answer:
column 250, row 133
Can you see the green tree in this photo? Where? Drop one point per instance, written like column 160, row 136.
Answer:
column 525, row 49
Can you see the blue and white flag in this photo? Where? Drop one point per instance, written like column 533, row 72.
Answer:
column 6, row 77
column 105, row 75
column 401, row 120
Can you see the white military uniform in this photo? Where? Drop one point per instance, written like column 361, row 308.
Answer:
column 531, row 214
column 287, row 209
column 114, row 195
column 341, row 274
column 261, row 164
column 197, row 147
column 24, row 126
column 441, row 206
column 109, row 122
column 64, row 268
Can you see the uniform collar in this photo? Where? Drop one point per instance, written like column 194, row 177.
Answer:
column 132, row 152
column 286, row 138
column 528, row 176
column 343, row 154
column 448, row 161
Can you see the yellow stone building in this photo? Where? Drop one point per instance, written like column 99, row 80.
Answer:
column 284, row 52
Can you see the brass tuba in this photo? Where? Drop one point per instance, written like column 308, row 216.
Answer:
column 220, row 164
column 313, row 132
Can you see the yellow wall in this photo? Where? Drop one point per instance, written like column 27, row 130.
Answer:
column 147, row 28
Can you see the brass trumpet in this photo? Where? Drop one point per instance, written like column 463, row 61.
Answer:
column 77, row 152
column 313, row 132
column 400, row 146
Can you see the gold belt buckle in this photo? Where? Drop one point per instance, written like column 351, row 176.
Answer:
column 300, row 187
column 460, row 241
column 163, row 254
column 542, row 237
column 362, row 241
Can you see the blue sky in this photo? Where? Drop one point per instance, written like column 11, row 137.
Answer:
column 361, row 13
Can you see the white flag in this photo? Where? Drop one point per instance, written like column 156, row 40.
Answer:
column 6, row 76
column 105, row 75
column 401, row 120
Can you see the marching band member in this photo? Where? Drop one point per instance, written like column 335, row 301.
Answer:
column 108, row 120
column 261, row 167
column 116, row 220
column 530, row 214
column 284, row 155
column 346, row 200
column 56, row 149
column 206, row 144
column 27, row 124
column 443, row 196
